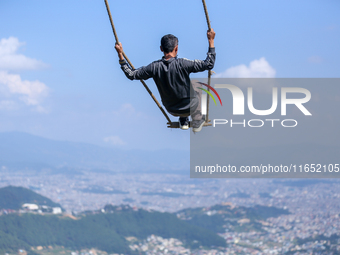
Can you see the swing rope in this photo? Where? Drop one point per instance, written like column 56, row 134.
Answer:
column 143, row 82
column 126, row 58
column 209, row 72
column 206, row 14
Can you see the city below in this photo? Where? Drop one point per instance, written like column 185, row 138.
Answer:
column 310, row 226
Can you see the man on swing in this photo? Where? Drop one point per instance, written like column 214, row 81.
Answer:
column 179, row 96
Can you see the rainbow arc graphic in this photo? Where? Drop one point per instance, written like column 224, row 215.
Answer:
column 209, row 93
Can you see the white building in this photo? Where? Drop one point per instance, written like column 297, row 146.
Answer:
column 30, row 207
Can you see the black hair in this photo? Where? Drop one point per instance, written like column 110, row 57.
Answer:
column 168, row 43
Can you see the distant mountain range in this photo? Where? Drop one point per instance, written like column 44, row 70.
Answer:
column 24, row 151
column 20, row 151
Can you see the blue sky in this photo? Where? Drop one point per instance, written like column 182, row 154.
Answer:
column 60, row 77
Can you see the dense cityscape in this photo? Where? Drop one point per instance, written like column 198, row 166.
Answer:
column 312, row 224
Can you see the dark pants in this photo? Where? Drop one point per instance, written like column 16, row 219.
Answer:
column 196, row 113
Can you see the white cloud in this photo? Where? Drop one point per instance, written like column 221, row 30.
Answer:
column 129, row 111
column 315, row 59
column 31, row 93
column 125, row 109
column 7, row 105
column 331, row 27
column 13, row 90
column 11, row 60
column 258, row 68
column 114, row 140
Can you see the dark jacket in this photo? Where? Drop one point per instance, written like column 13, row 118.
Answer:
column 172, row 79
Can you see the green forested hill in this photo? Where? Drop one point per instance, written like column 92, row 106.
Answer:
column 14, row 197
column 105, row 232
column 108, row 231
column 217, row 218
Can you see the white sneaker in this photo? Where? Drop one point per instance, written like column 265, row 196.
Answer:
column 198, row 124
column 183, row 123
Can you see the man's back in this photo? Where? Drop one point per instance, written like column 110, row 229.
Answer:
column 171, row 75
column 172, row 78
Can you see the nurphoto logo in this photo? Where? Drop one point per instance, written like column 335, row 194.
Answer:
column 238, row 106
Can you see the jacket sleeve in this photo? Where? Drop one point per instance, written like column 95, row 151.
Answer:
column 194, row 66
column 142, row 73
